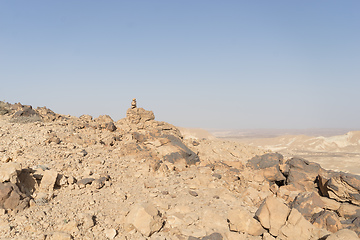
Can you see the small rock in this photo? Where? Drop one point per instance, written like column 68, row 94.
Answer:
column 216, row 175
column 6, row 159
column 48, row 180
column 145, row 218
column 110, row 233
column 60, row 236
column 82, row 153
column 85, row 181
column 193, row 193
column 99, row 183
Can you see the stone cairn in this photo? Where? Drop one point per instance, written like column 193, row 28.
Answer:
column 133, row 103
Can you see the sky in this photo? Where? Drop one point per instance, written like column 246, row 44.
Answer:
column 204, row 64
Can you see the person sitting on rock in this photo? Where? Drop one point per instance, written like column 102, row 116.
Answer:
column 133, row 103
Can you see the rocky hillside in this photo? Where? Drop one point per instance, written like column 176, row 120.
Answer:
column 64, row 177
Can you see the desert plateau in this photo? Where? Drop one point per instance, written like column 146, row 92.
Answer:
column 65, row 177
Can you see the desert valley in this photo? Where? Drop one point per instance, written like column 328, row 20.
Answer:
column 67, row 177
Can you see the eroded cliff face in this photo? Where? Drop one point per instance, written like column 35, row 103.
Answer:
column 63, row 177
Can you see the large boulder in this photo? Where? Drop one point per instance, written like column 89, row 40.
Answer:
column 302, row 174
column 327, row 220
column 25, row 114
column 297, row 227
column 269, row 166
column 168, row 147
column 308, row 204
column 343, row 187
column 272, row 214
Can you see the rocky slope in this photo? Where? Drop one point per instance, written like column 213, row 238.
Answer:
column 63, row 177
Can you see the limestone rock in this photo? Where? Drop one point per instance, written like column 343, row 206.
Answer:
column 344, row 187
column 9, row 171
column 269, row 164
column 330, row 204
column 242, row 221
column 297, row 227
column 302, row 174
column 213, row 236
column 145, row 218
column 308, row 203
column 328, row 220
column 139, row 115
column 12, row 198
column 60, row 236
column 344, row 234
column 272, row 214
column 348, row 210
column 48, row 180
column 110, row 233
column 265, row 161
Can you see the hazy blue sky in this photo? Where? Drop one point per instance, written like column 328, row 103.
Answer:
column 195, row 63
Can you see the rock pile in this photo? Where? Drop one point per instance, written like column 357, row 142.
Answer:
column 63, row 177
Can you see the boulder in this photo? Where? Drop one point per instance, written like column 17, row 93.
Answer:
column 308, row 203
column 348, row 210
column 265, row 161
column 297, row 227
column 330, row 204
column 25, row 114
column 269, row 164
column 344, row 187
column 328, row 220
column 168, row 147
column 344, row 234
column 272, row 214
column 302, row 174
column 242, row 221
column 145, row 218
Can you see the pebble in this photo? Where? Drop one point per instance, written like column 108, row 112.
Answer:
column 110, row 233
column 193, row 193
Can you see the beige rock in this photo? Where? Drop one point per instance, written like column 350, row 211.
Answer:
column 344, row 234
column 8, row 172
column 328, row 220
column 272, row 214
column 145, row 218
column 110, row 233
column 60, row 236
column 70, row 227
column 48, row 180
column 330, row 204
column 6, row 159
column 297, row 227
column 213, row 221
column 242, row 221
column 267, row 236
column 348, row 209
